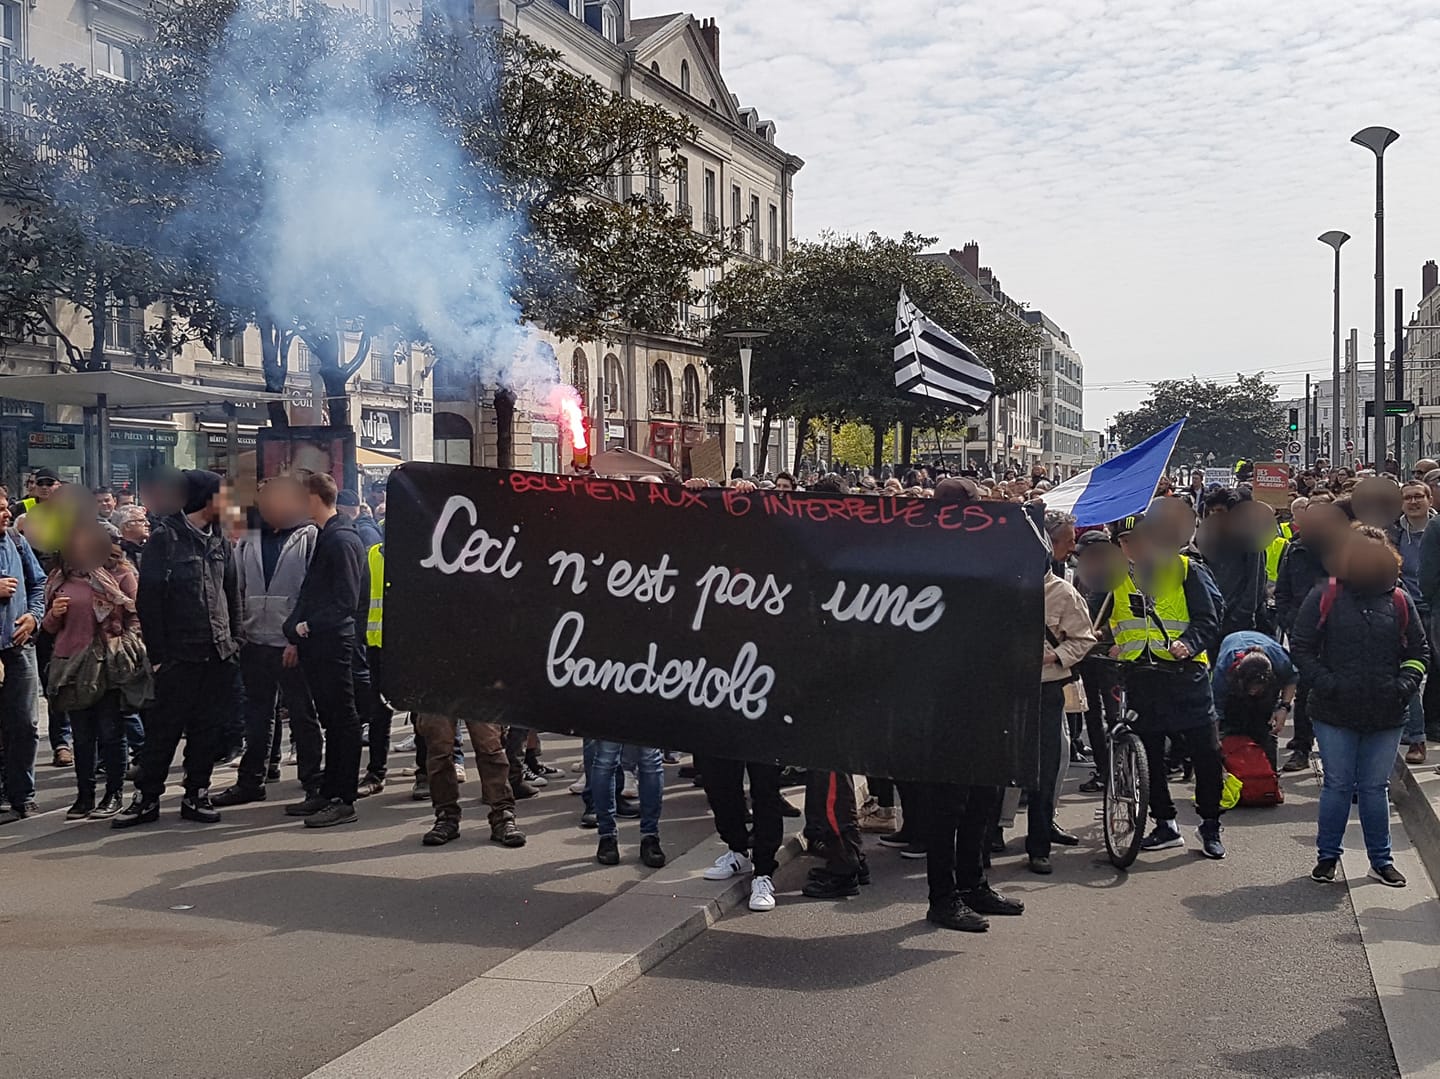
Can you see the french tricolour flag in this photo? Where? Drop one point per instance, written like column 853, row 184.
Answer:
column 1123, row 485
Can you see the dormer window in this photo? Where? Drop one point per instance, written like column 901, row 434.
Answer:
column 610, row 23
column 577, row 8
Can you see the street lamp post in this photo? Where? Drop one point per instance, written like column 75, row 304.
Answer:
column 1335, row 239
column 744, row 336
column 1376, row 139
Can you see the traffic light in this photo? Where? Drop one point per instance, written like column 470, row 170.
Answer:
column 1294, row 420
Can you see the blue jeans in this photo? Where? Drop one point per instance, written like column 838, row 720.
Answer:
column 603, row 773
column 19, row 724
column 1357, row 764
column 1414, row 722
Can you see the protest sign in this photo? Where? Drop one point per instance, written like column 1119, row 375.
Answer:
column 707, row 460
column 1271, row 484
column 1219, row 477
column 890, row 637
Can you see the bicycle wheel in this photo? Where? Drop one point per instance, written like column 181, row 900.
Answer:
column 1127, row 800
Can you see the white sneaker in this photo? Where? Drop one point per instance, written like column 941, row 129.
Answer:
column 631, row 788
column 578, row 787
column 578, row 766
column 729, row 864
column 405, row 745
column 762, row 894
column 460, row 773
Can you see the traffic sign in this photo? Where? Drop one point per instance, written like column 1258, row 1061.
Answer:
column 1294, row 447
column 1279, row 453
column 1349, row 445
column 1294, row 458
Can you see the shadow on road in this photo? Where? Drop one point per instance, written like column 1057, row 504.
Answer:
column 1331, row 1052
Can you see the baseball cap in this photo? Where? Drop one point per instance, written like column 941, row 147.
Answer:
column 1092, row 538
column 347, row 497
column 1126, row 525
column 46, row 475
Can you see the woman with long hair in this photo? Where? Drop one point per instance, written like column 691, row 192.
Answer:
column 99, row 672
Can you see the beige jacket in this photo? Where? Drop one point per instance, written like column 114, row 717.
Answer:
column 1068, row 620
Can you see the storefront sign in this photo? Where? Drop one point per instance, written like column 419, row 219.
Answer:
column 130, row 437
column 746, row 626
column 380, row 429
column 51, row 440
column 220, row 440
column 21, row 410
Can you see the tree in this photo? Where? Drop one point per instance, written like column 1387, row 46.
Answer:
column 90, row 179
column 441, row 184
column 1229, row 419
column 830, row 310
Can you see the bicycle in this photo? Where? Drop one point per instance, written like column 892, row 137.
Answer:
column 1125, row 802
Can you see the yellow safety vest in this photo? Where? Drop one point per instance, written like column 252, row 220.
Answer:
column 377, row 596
column 1274, row 552
column 1135, row 636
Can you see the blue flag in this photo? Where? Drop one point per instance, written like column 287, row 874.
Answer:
column 1123, row 485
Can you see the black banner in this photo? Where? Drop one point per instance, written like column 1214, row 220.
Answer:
column 889, row 637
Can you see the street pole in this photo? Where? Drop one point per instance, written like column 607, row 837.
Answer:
column 746, row 461
column 1309, row 428
column 745, row 337
column 1376, row 139
column 1399, row 369
column 1335, row 239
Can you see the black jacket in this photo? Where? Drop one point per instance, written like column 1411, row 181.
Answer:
column 1352, row 664
column 189, row 595
column 1430, row 564
column 1240, row 573
column 330, row 594
column 1300, row 570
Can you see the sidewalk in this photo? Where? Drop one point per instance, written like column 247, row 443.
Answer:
column 263, row 948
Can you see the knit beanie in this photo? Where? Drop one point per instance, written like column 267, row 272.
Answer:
column 200, row 487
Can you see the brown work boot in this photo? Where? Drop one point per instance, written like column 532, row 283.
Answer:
column 64, row 758
column 1415, row 754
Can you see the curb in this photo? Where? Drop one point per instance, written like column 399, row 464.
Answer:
column 1415, row 799
column 492, row 1023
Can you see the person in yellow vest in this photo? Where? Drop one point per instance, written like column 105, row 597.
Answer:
column 375, row 711
column 1160, row 614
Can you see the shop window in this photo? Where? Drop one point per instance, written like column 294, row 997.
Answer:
column 454, row 439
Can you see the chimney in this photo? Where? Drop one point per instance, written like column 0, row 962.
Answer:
column 970, row 259
column 1429, row 278
column 711, row 33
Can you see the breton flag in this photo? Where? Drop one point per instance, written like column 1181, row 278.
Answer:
column 1116, row 488
column 933, row 365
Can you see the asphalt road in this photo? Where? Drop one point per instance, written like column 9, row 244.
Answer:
column 1181, row 967
column 258, row 949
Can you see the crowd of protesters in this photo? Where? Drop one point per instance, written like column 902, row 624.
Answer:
column 142, row 625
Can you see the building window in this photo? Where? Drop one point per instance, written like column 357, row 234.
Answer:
column 9, row 53
column 755, row 226
column 302, row 357
column 580, row 374
column 690, row 393
column 712, row 220
column 774, row 234
column 652, row 177
column 662, row 388
column 454, row 439
column 685, row 75
column 123, row 327
column 609, row 23
column 112, row 58
column 655, row 66
column 682, row 187
column 577, row 8
column 230, row 349
column 735, row 216
column 614, row 385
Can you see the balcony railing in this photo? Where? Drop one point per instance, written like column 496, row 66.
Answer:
column 756, row 247
column 683, row 211
column 772, row 253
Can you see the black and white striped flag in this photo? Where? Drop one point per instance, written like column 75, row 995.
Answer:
column 933, row 365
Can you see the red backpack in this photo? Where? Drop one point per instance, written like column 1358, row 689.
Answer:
column 1250, row 764
column 1397, row 597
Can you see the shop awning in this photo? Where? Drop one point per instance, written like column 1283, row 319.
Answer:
column 627, row 464
column 370, row 459
column 119, row 390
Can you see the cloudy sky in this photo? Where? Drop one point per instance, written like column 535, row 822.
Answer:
column 1151, row 174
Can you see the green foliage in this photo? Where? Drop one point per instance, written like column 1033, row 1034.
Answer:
column 830, row 310
column 1229, row 419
